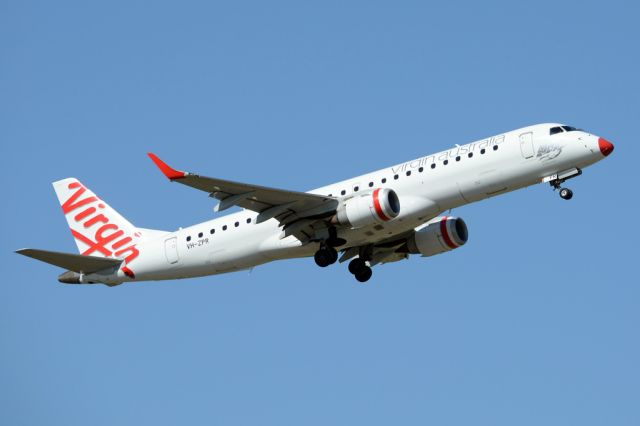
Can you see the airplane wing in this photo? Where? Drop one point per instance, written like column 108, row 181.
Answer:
column 285, row 206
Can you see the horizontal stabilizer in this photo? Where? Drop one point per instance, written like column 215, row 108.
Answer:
column 72, row 262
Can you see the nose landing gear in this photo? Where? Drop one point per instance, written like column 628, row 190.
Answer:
column 558, row 179
column 566, row 193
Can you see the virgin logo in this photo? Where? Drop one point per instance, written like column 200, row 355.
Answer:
column 108, row 239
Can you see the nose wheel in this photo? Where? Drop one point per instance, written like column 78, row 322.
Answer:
column 566, row 193
column 561, row 177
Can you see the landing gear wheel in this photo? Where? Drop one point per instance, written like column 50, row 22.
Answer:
column 334, row 254
column 566, row 193
column 325, row 256
column 364, row 274
column 356, row 265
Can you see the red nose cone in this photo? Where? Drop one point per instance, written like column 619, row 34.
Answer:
column 606, row 147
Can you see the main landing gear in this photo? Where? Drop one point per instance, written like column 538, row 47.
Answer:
column 327, row 254
column 359, row 268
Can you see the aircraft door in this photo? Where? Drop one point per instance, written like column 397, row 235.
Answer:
column 526, row 145
column 171, row 250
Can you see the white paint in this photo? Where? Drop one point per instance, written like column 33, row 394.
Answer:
column 474, row 172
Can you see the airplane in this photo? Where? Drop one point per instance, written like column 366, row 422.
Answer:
column 375, row 218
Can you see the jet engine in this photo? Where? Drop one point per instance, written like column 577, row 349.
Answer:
column 376, row 206
column 439, row 235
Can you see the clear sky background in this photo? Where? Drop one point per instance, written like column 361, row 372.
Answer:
column 535, row 321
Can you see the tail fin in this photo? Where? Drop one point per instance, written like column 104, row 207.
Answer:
column 98, row 229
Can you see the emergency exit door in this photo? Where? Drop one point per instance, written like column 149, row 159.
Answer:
column 171, row 250
column 526, row 145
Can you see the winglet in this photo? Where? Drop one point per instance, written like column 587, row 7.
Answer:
column 168, row 171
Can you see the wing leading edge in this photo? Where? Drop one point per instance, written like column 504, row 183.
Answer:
column 285, row 206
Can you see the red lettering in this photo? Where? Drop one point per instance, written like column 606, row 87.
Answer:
column 79, row 236
column 96, row 219
column 85, row 213
column 71, row 204
column 102, row 240
column 122, row 242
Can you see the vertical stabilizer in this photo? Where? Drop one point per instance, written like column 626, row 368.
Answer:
column 98, row 229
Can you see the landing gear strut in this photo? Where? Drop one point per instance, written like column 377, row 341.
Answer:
column 558, row 179
column 565, row 193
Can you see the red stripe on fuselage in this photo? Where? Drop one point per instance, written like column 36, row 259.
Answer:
column 378, row 207
column 445, row 233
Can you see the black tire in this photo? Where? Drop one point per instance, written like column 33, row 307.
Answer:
column 322, row 258
column 364, row 274
column 566, row 194
column 356, row 265
column 334, row 255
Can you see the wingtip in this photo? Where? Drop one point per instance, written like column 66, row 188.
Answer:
column 168, row 171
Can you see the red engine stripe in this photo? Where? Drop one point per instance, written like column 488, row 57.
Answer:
column 378, row 207
column 128, row 272
column 445, row 233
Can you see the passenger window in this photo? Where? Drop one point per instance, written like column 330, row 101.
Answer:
column 248, row 220
column 421, row 169
column 224, row 227
column 355, row 188
column 408, row 172
column 482, row 151
column 343, row 192
column 200, row 235
column 470, row 154
column 384, row 180
column 433, row 165
column 458, row 158
column 370, row 184
column 495, row 147
column 445, row 162
column 213, row 231
column 189, row 238
column 237, row 224
column 395, row 177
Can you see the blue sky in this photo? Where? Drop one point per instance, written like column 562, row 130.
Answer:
column 534, row 321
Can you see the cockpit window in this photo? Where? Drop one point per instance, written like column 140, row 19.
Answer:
column 555, row 130
column 569, row 129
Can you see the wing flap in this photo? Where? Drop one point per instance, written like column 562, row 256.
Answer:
column 72, row 262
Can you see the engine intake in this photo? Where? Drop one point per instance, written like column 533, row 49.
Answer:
column 377, row 206
column 439, row 235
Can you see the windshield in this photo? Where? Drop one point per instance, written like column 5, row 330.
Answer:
column 560, row 129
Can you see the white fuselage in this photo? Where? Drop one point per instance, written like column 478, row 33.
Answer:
column 426, row 187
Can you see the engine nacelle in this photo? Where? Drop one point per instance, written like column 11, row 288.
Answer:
column 438, row 236
column 377, row 206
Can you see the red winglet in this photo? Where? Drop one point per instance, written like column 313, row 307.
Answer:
column 168, row 171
